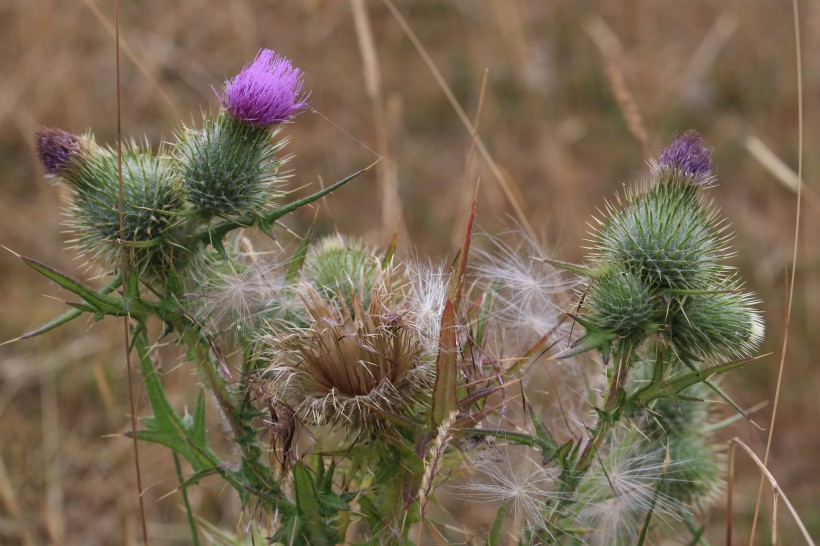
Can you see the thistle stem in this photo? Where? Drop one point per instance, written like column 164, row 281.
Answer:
column 184, row 490
column 616, row 386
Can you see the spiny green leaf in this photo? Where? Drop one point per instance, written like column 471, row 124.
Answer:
column 101, row 302
column 519, row 438
column 308, row 506
column 681, row 382
column 593, row 338
column 216, row 235
column 543, row 434
column 66, row 317
column 197, row 431
column 580, row 270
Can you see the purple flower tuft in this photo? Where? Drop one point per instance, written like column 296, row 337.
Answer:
column 56, row 148
column 688, row 154
column 266, row 91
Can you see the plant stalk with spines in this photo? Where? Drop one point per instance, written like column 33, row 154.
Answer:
column 656, row 290
column 227, row 170
column 393, row 367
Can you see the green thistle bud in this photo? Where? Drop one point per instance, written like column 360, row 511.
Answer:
column 695, row 476
column 621, row 310
column 719, row 324
column 665, row 235
column 337, row 266
column 152, row 201
column 229, row 168
column 620, row 302
column 668, row 417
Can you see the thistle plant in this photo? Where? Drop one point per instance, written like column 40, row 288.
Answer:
column 360, row 382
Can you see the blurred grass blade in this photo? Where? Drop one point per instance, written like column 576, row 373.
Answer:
column 495, row 530
column 391, row 250
column 464, row 254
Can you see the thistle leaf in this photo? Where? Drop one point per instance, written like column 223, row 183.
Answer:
column 299, row 258
column 308, row 507
column 100, row 302
column 684, row 381
column 66, row 317
column 445, row 400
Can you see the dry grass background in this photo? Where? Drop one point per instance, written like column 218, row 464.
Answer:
column 560, row 78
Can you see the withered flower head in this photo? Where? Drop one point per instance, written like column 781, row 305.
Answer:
column 349, row 368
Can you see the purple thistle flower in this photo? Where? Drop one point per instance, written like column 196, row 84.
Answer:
column 56, row 148
column 688, row 154
column 266, row 91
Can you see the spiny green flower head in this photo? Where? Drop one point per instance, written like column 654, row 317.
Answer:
column 342, row 266
column 621, row 303
column 152, row 199
column 720, row 324
column 695, row 476
column 230, row 167
column 267, row 91
column 666, row 233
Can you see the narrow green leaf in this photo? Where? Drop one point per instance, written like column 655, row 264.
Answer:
column 216, row 235
column 684, row 381
column 445, row 400
column 483, row 318
column 519, row 438
column 66, row 317
column 391, row 250
column 580, row 270
column 592, row 339
column 495, row 530
column 197, row 431
column 100, row 302
column 132, row 286
column 299, row 258
column 56, row 322
column 543, row 434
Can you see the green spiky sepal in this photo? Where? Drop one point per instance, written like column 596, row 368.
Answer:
column 665, row 234
column 230, row 168
column 152, row 206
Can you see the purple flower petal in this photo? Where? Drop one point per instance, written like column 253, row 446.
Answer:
column 266, row 91
column 688, row 154
column 56, row 148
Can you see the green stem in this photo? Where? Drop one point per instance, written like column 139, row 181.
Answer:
column 184, row 490
column 616, row 386
column 242, row 431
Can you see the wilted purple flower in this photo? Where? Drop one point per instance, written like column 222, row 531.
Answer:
column 266, row 91
column 56, row 148
column 688, row 154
